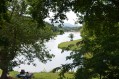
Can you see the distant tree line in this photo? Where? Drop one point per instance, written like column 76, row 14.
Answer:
column 73, row 29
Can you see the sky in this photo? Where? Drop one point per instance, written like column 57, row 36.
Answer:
column 71, row 19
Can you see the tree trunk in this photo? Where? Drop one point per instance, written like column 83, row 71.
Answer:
column 100, row 76
column 4, row 73
column 4, row 68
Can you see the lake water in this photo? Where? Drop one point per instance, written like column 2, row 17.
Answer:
column 60, row 58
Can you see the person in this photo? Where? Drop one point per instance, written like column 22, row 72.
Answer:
column 22, row 74
column 29, row 75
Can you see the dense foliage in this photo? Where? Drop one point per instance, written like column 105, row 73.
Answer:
column 71, row 29
column 21, row 34
column 100, row 31
column 100, row 34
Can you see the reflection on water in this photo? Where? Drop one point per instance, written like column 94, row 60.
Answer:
column 60, row 58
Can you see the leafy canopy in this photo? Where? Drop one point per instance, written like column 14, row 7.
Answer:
column 21, row 34
column 99, row 33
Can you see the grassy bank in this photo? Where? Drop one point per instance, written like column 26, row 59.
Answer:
column 49, row 75
column 43, row 75
column 69, row 45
